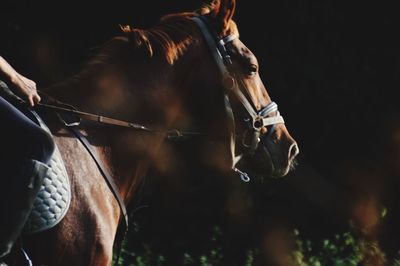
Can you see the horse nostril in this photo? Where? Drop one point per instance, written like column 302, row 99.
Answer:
column 293, row 151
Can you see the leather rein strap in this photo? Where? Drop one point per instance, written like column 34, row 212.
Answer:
column 170, row 134
column 107, row 176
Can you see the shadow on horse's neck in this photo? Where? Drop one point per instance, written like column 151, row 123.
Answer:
column 114, row 83
column 117, row 88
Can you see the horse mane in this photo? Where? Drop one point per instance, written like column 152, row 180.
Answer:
column 169, row 39
column 159, row 46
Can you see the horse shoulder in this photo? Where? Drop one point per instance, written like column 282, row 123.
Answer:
column 86, row 234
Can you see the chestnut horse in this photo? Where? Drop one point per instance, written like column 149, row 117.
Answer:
column 189, row 72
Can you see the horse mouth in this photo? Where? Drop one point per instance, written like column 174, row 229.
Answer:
column 269, row 166
column 282, row 172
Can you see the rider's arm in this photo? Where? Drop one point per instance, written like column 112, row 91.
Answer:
column 23, row 86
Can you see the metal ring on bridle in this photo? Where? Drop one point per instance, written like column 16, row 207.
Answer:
column 258, row 123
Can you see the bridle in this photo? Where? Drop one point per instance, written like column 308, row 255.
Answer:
column 255, row 120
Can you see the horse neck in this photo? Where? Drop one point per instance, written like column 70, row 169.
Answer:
column 93, row 91
column 141, row 93
column 138, row 97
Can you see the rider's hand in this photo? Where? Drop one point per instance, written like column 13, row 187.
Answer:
column 23, row 86
column 26, row 88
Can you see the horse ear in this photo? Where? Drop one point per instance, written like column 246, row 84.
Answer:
column 221, row 10
column 225, row 13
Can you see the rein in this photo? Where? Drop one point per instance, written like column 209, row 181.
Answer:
column 169, row 134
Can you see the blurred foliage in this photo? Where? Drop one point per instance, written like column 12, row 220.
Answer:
column 344, row 249
column 341, row 250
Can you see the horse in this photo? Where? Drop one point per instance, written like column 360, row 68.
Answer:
column 189, row 72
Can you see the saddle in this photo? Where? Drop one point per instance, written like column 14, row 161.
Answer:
column 54, row 197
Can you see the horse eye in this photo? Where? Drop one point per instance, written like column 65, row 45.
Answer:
column 252, row 70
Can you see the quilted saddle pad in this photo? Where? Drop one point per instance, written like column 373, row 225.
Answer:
column 54, row 197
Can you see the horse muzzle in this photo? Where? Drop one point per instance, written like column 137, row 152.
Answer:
column 275, row 157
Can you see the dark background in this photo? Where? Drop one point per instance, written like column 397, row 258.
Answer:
column 332, row 66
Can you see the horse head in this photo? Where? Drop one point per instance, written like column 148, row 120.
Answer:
column 217, row 79
column 263, row 141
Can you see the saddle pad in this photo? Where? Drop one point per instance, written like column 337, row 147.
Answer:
column 54, row 197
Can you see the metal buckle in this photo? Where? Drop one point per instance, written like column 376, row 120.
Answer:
column 69, row 124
